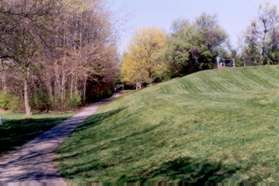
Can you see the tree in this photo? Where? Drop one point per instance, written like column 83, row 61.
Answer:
column 195, row 46
column 261, row 43
column 60, row 53
column 251, row 53
column 268, row 21
column 83, row 64
column 22, row 27
column 142, row 63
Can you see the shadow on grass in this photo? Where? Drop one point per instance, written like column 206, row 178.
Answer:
column 90, row 123
column 97, row 119
column 184, row 171
column 87, row 165
column 15, row 133
column 187, row 171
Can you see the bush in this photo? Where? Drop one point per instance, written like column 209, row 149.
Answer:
column 40, row 101
column 8, row 101
column 74, row 101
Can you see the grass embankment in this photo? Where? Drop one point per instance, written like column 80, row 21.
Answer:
column 213, row 126
column 17, row 129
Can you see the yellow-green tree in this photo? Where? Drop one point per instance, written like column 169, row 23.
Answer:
column 142, row 62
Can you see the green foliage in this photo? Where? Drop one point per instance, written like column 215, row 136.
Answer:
column 8, row 101
column 40, row 100
column 74, row 101
column 104, row 93
column 142, row 63
column 251, row 53
column 219, row 125
column 195, row 46
column 260, row 42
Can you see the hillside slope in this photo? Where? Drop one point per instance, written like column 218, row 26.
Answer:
column 212, row 126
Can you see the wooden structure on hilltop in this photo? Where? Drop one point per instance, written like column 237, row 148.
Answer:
column 223, row 63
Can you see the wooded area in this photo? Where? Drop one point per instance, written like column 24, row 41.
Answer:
column 60, row 55
column 56, row 54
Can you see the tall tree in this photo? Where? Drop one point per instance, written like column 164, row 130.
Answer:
column 251, row 53
column 63, row 51
column 195, row 46
column 261, row 43
column 23, row 25
column 142, row 63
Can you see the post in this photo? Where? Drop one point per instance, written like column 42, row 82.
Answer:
column 234, row 65
column 218, row 59
column 138, row 86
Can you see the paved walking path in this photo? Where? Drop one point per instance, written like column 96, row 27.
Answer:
column 33, row 164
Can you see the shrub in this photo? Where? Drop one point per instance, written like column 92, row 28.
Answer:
column 8, row 101
column 74, row 101
column 40, row 101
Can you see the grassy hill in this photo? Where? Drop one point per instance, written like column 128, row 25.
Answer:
column 215, row 126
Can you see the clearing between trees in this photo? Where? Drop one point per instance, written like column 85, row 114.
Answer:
column 213, row 126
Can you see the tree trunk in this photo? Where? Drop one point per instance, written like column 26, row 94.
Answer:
column 63, row 94
column 26, row 97
column 56, row 86
column 71, row 86
column 76, row 92
column 4, row 82
column 50, row 92
column 264, row 48
column 84, row 90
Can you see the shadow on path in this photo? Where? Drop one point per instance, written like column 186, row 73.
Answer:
column 34, row 161
column 15, row 133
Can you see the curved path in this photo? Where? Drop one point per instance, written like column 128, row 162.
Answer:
column 33, row 164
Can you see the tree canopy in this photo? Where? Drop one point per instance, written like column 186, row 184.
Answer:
column 195, row 46
column 143, row 63
column 260, row 41
column 57, row 54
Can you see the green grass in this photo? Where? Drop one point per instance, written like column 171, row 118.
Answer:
column 17, row 129
column 216, row 126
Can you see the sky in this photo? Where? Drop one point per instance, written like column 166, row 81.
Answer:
column 233, row 15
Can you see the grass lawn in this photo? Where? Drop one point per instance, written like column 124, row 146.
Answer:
column 216, row 126
column 17, row 130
